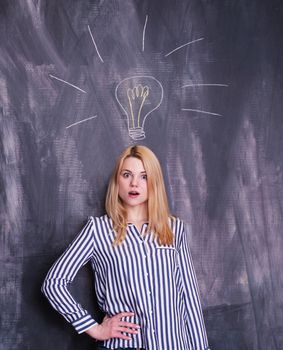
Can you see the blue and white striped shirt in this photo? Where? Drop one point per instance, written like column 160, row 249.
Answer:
column 155, row 282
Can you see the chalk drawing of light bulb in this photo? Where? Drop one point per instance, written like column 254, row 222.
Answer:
column 138, row 97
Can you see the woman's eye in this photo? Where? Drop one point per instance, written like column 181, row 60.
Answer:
column 125, row 175
column 144, row 177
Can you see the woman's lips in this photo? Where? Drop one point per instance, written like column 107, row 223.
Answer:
column 133, row 194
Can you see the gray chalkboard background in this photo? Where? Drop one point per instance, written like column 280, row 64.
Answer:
column 218, row 133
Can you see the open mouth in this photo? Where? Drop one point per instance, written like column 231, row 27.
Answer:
column 133, row 194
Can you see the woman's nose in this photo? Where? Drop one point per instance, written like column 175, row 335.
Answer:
column 134, row 181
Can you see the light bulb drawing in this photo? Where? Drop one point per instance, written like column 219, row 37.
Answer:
column 138, row 96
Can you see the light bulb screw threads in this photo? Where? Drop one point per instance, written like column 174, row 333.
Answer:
column 137, row 133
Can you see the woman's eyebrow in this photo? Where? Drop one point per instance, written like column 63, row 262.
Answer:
column 129, row 171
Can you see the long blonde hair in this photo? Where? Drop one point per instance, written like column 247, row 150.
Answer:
column 158, row 209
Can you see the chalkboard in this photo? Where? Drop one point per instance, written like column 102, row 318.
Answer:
column 197, row 81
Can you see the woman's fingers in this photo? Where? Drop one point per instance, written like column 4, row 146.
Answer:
column 115, row 327
column 124, row 314
column 121, row 328
column 128, row 324
column 125, row 323
column 121, row 336
column 127, row 330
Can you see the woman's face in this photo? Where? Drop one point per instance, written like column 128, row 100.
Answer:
column 132, row 183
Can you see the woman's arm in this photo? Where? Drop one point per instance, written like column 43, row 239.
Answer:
column 55, row 288
column 62, row 273
column 191, row 296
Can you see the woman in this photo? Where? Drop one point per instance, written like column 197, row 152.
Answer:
column 144, row 277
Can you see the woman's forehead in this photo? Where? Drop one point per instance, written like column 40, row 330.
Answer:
column 133, row 164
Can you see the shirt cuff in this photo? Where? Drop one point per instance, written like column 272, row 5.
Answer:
column 83, row 324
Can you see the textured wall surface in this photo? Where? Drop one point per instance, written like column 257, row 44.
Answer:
column 217, row 131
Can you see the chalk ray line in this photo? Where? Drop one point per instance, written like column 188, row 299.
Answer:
column 94, row 43
column 81, row 121
column 143, row 32
column 66, row 82
column 179, row 47
column 189, row 85
column 200, row 111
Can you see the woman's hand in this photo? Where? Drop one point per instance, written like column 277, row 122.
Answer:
column 113, row 327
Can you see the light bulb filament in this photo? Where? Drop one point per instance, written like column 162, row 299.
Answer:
column 136, row 97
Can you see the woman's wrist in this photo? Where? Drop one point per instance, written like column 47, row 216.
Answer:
column 93, row 331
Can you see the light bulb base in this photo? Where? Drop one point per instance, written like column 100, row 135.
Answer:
column 137, row 133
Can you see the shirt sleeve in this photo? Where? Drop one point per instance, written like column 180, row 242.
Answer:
column 191, row 296
column 62, row 273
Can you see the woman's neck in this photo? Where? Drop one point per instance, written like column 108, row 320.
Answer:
column 137, row 214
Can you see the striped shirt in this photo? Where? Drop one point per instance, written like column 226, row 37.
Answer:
column 155, row 282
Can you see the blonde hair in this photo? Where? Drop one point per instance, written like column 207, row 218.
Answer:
column 158, row 209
